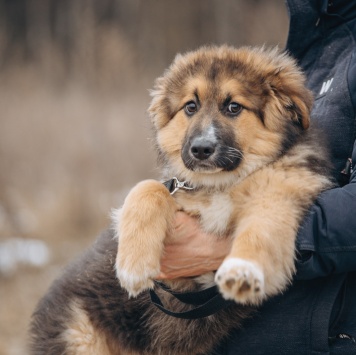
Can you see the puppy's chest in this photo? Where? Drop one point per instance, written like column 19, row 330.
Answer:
column 215, row 211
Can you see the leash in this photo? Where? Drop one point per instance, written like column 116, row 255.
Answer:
column 207, row 301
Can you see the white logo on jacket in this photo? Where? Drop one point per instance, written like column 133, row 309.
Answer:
column 326, row 86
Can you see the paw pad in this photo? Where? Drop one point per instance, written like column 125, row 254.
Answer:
column 241, row 280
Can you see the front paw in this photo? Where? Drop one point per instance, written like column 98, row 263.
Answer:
column 135, row 276
column 241, row 280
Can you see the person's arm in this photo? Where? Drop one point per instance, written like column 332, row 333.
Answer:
column 327, row 239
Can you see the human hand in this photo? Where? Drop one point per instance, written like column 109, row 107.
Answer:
column 191, row 252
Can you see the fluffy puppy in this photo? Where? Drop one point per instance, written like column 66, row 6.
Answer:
column 233, row 125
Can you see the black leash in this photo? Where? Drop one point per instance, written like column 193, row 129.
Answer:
column 207, row 301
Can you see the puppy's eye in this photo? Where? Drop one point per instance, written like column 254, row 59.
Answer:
column 233, row 109
column 190, row 108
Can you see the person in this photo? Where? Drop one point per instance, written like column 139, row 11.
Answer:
column 317, row 313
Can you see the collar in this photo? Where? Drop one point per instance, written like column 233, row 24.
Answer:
column 173, row 185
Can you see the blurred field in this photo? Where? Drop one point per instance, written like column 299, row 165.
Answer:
column 74, row 134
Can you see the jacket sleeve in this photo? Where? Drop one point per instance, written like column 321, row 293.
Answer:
column 326, row 241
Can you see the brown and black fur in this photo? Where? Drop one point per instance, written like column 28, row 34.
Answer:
column 119, row 325
column 234, row 124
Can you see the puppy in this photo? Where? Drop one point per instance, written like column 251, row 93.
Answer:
column 231, row 128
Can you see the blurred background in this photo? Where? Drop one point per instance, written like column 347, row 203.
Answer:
column 74, row 133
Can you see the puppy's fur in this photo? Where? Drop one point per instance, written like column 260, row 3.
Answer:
column 233, row 124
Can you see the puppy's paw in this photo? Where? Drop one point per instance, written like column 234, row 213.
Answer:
column 241, row 280
column 136, row 276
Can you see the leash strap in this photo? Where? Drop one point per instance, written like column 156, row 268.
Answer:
column 207, row 302
column 195, row 298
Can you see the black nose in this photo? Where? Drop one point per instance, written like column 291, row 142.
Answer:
column 202, row 150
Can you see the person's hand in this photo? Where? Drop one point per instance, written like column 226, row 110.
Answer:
column 191, row 252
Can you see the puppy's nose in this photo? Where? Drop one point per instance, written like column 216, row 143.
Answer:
column 202, row 149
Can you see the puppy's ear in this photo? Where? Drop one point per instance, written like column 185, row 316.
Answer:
column 290, row 97
column 300, row 108
column 159, row 109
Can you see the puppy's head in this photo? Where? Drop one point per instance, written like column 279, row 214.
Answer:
column 220, row 112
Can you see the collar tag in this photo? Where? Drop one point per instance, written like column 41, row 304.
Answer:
column 174, row 185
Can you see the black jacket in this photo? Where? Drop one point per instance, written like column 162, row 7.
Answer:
column 327, row 240
column 317, row 314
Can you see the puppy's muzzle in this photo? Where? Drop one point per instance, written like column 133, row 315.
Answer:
column 210, row 151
